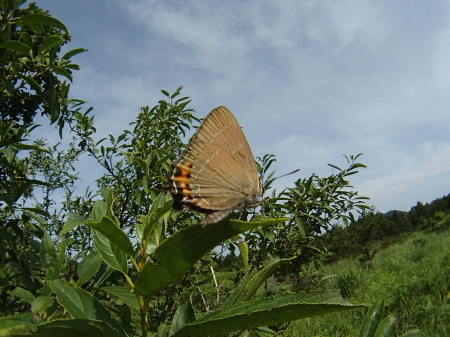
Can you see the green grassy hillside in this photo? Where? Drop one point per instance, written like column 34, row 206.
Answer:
column 412, row 277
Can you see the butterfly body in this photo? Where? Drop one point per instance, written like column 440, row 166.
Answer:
column 216, row 174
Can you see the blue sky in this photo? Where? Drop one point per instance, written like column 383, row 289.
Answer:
column 309, row 81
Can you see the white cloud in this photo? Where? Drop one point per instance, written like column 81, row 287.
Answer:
column 309, row 81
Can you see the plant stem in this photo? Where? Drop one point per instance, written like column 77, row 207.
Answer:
column 143, row 305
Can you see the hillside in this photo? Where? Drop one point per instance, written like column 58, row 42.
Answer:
column 412, row 277
column 375, row 231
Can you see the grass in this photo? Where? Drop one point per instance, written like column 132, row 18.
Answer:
column 413, row 278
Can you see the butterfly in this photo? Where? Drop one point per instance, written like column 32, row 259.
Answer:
column 216, row 173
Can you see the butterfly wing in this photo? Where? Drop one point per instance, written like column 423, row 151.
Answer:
column 216, row 173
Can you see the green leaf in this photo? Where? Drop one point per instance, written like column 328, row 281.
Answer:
column 81, row 304
column 60, row 260
column 386, row 327
column 35, row 210
column 27, row 39
column 177, row 92
column 88, row 267
column 243, row 249
column 176, row 255
column 77, row 303
column 372, row 319
column 50, row 42
column 73, row 52
column 8, row 85
column 41, row 303
column 184, row 315
column 104, row 207
column 111, row 231
column 162, row 330
column 124, row 294
column 47, row 251
column 16, row 46
column 105, row 275
column 32, row 83
column 61, row 71
column 72, row 221
column 151, row 231
column 76, row 328
column 245, row 291
column 266, row 311
column 414, row 333
column 16, row 326
column 23, row 294
column 32, row 19
column 110, row 253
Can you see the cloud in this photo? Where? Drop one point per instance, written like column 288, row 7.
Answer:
column 308, row 81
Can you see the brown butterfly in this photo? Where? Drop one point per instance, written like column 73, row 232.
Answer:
column 216, row 174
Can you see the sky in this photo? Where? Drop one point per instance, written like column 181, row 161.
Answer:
column 309, row 81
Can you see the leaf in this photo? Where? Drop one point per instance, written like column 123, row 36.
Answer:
column 104, row 207
column 35, row 217
column 243, row 249
column 110, row 253
column 32, row 83
column 414, row 333
column 32, row 19
column 35, row 210
column 124, row 294
column 50, row 42
column 73, row 52
column 61, row 71
column 47, row 251
column 60, row 261
column 72, row 221
column 75, row 328
column 245, row 291
column 386, row 327
column 162, row 330
column 105, row 275
column 88, row 267
column 266, row 311
column 16, row 326
column 177, row 92
column 372, row 319
column 16, row 46
column 111, row 231
column 176, row 255
column 23, row 294
column 151, row 231
column 8, row 85
column 41, row 303
column 81, row 304
column 184, row 315
column 77, row 303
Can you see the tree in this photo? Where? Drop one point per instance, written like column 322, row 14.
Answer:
column 313, row 205
column 30, row 82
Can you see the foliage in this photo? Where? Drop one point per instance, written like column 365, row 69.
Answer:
column 30, row 41
column 128, row 264
column 313, row 205
column 170, row 261
column 30, row 82
column 136, row 162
